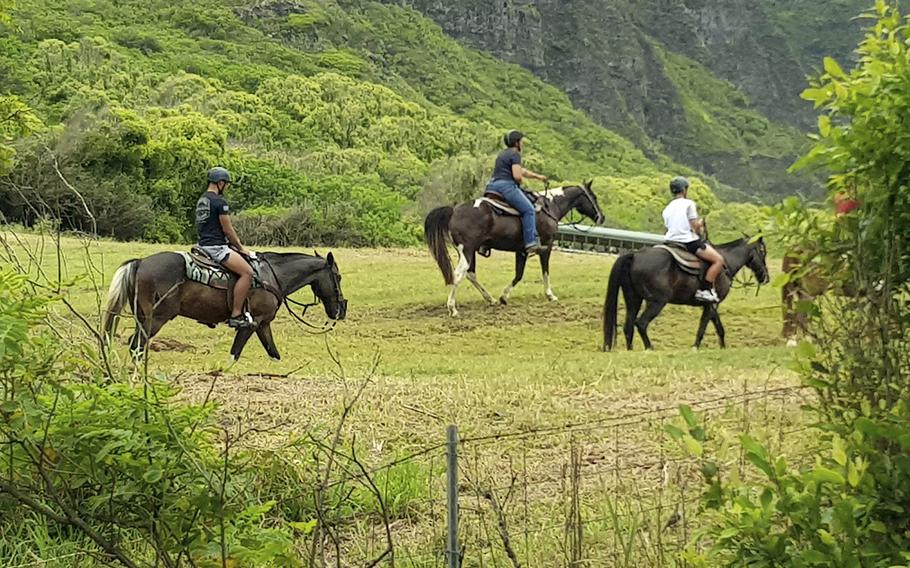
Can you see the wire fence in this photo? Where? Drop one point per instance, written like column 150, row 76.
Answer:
column 605, row 492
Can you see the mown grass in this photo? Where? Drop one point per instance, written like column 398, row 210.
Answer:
column 529, row 365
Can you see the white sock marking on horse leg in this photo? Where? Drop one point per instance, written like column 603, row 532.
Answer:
column 506, row 293
column 549, row 291
column 472, row 276
column 460, row 271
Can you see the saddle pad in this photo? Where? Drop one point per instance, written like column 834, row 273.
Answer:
column 685, row 259
column 502, row 208
column 212, row 277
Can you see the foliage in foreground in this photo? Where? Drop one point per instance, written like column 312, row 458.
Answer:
column 852, row 507
column 120, row 464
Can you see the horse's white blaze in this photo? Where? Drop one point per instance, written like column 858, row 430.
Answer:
column 460, row 271
column 546, row 285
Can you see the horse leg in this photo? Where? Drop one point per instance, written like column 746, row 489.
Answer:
column 633, row 306
column 240, row 339
column 268, row 342
column 718, row 327
column 521, row 260
column 702, row 325
column 790, row 317
column 460, row 271
column 147, row 327
column 545, row 269
column 472, row 276
column 651, row 311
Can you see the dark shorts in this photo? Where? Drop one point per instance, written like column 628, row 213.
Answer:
column 695, row 246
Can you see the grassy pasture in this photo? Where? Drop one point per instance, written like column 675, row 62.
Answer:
column 531, row 364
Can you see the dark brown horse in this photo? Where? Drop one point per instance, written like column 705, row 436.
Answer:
column 475, row 227
column 651, row 275
column 157, row 291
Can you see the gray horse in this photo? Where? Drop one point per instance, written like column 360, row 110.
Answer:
column 157, row 290
column 652, row 275
column 475, row 227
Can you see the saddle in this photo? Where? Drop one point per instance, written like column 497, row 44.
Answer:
column 501, row 207
column 686, row 261
column 202, row 269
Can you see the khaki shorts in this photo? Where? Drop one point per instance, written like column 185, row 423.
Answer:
column 218, row 253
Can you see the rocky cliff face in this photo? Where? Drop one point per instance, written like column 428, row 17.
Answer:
column 635, row 66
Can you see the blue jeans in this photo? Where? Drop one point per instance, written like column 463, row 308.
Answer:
column 515, row 197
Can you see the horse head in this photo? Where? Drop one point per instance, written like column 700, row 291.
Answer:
column 757, row 261
column 587, row 204
column 327, row 287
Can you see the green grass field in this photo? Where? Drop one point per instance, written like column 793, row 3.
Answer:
column 526, row 355
column 532, row 364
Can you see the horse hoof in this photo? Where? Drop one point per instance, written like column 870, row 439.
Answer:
column 503, row 301
column 695, row 348
column 791, row 343
column 553, row 298
column 453, row 313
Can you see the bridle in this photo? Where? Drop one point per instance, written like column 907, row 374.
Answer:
column 588, row 194
column 283, row 299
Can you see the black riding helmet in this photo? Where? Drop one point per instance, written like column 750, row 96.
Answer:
column 512, row 137
column 679, row 185
column 218, row 174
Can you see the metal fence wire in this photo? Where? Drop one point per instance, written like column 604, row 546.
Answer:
column 605, row 492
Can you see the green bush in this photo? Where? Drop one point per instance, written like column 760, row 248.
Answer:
column 852, row 507
column 104, row 459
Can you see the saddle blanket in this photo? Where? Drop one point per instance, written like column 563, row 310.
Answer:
column 216, row 277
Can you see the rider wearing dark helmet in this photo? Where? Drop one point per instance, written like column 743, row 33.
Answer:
column 506, row 182
column 213, row 224
column 684, row 226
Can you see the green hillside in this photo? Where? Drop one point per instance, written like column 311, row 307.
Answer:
column 338, row 118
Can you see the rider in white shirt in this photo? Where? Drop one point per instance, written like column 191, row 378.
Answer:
column 685, row 227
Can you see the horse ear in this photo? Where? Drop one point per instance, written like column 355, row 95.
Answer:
column 330, row 260
column 316, row 254
column 588, row 183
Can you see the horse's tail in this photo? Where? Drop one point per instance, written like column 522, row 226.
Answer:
column 435, row 233
column 618, row 277
column 123, row 288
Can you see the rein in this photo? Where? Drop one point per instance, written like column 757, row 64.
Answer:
column 285, row 300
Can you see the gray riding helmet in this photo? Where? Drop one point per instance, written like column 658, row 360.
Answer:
column 678, row 185
column 219, row 174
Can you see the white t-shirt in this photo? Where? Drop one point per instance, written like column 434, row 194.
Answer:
column 676, row 217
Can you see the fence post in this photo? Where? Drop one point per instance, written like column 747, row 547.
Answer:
column 453, row 550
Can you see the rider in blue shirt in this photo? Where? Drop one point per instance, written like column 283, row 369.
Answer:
column 508, row 174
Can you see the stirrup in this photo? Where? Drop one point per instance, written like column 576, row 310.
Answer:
column 243, row 321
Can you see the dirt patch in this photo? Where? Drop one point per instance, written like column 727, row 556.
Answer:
column 167, row 344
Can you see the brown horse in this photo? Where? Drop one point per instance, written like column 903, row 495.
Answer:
column 157, row 290
column 475, row 227
column 804, row 286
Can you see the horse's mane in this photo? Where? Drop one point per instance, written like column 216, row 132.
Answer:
column 733, row 244
column 287, row 254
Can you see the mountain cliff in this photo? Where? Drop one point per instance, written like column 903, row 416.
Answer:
column 714, row 85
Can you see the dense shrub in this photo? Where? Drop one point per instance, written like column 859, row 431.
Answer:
column 852, row 507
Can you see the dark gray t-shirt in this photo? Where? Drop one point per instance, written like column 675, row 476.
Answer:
column 504, row 162
column 209, row 210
